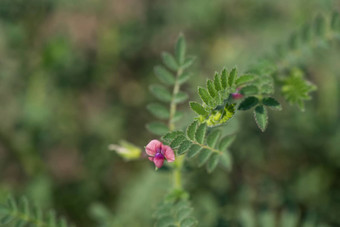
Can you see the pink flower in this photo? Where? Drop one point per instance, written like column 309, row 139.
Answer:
column 158, row 152
column 237, row 95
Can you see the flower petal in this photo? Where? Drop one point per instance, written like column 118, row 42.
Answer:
column 158, row 160
column 151, row 158
column 237, row 95
column 168, row 153
column 152, row 147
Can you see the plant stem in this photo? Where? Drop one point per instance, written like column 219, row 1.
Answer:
column 173, row 106
column 178, row 163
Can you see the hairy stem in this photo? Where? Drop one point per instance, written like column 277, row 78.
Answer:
column 173, row 106
column 177, row 183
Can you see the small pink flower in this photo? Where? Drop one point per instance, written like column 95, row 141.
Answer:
column 237, row 95
column 158, row 152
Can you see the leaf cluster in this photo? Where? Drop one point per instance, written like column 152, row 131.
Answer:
column 296, row 89
column 175, row 214
column 217, row 107
column 172, row 75
column 209, row 148
column 312, row 35
column 22, row 214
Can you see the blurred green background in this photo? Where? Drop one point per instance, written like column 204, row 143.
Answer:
column 74, row 78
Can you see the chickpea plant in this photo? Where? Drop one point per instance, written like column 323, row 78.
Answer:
column 226, row 94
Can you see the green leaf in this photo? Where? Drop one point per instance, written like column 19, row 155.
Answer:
column 170, row 61
column 191, row 130
column 204, row 94
column 164, row 75
column 200, row 133
column 193, row 150
column 224, row 78
column 232, row 77
column 161, row 93
column 184, row 77
column 185, row 145
column 166, row 222
column 188, row 222
column 211, row 88
column 244, row 79
column 198, row 108
column 249, row 90
column 158, row 110
column 180, row 50
column 248, row 103
column 203, row 156
column 180, row 97
column 188, row 62
column 157, row 128
column 184, row 213
column 217, row 82
column 226, row 142
column 172, row 135
column 272, row 103
column 226, row 160
column 177, row 141
column 212, row 162
column 213, row 137
column 261, row 117
column 296, row 89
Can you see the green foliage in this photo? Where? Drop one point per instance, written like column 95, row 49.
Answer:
column 74, row 108
column 157, row 128
column 161, row 93
column 170, row 61
column 261, row 117
column 245, row 79
column 248, row 103
column 176, row 78
column 217, row 107
column 271, row 217
column 180, row 50
column 207, row 147
column 198, row 108
column 164, row 75
column 23, row 214
column 213, row 137
column 296, row 89
column 249, row 90
column 272, row 103
column 317, row 34
column 158, row 110
column 175, row 213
